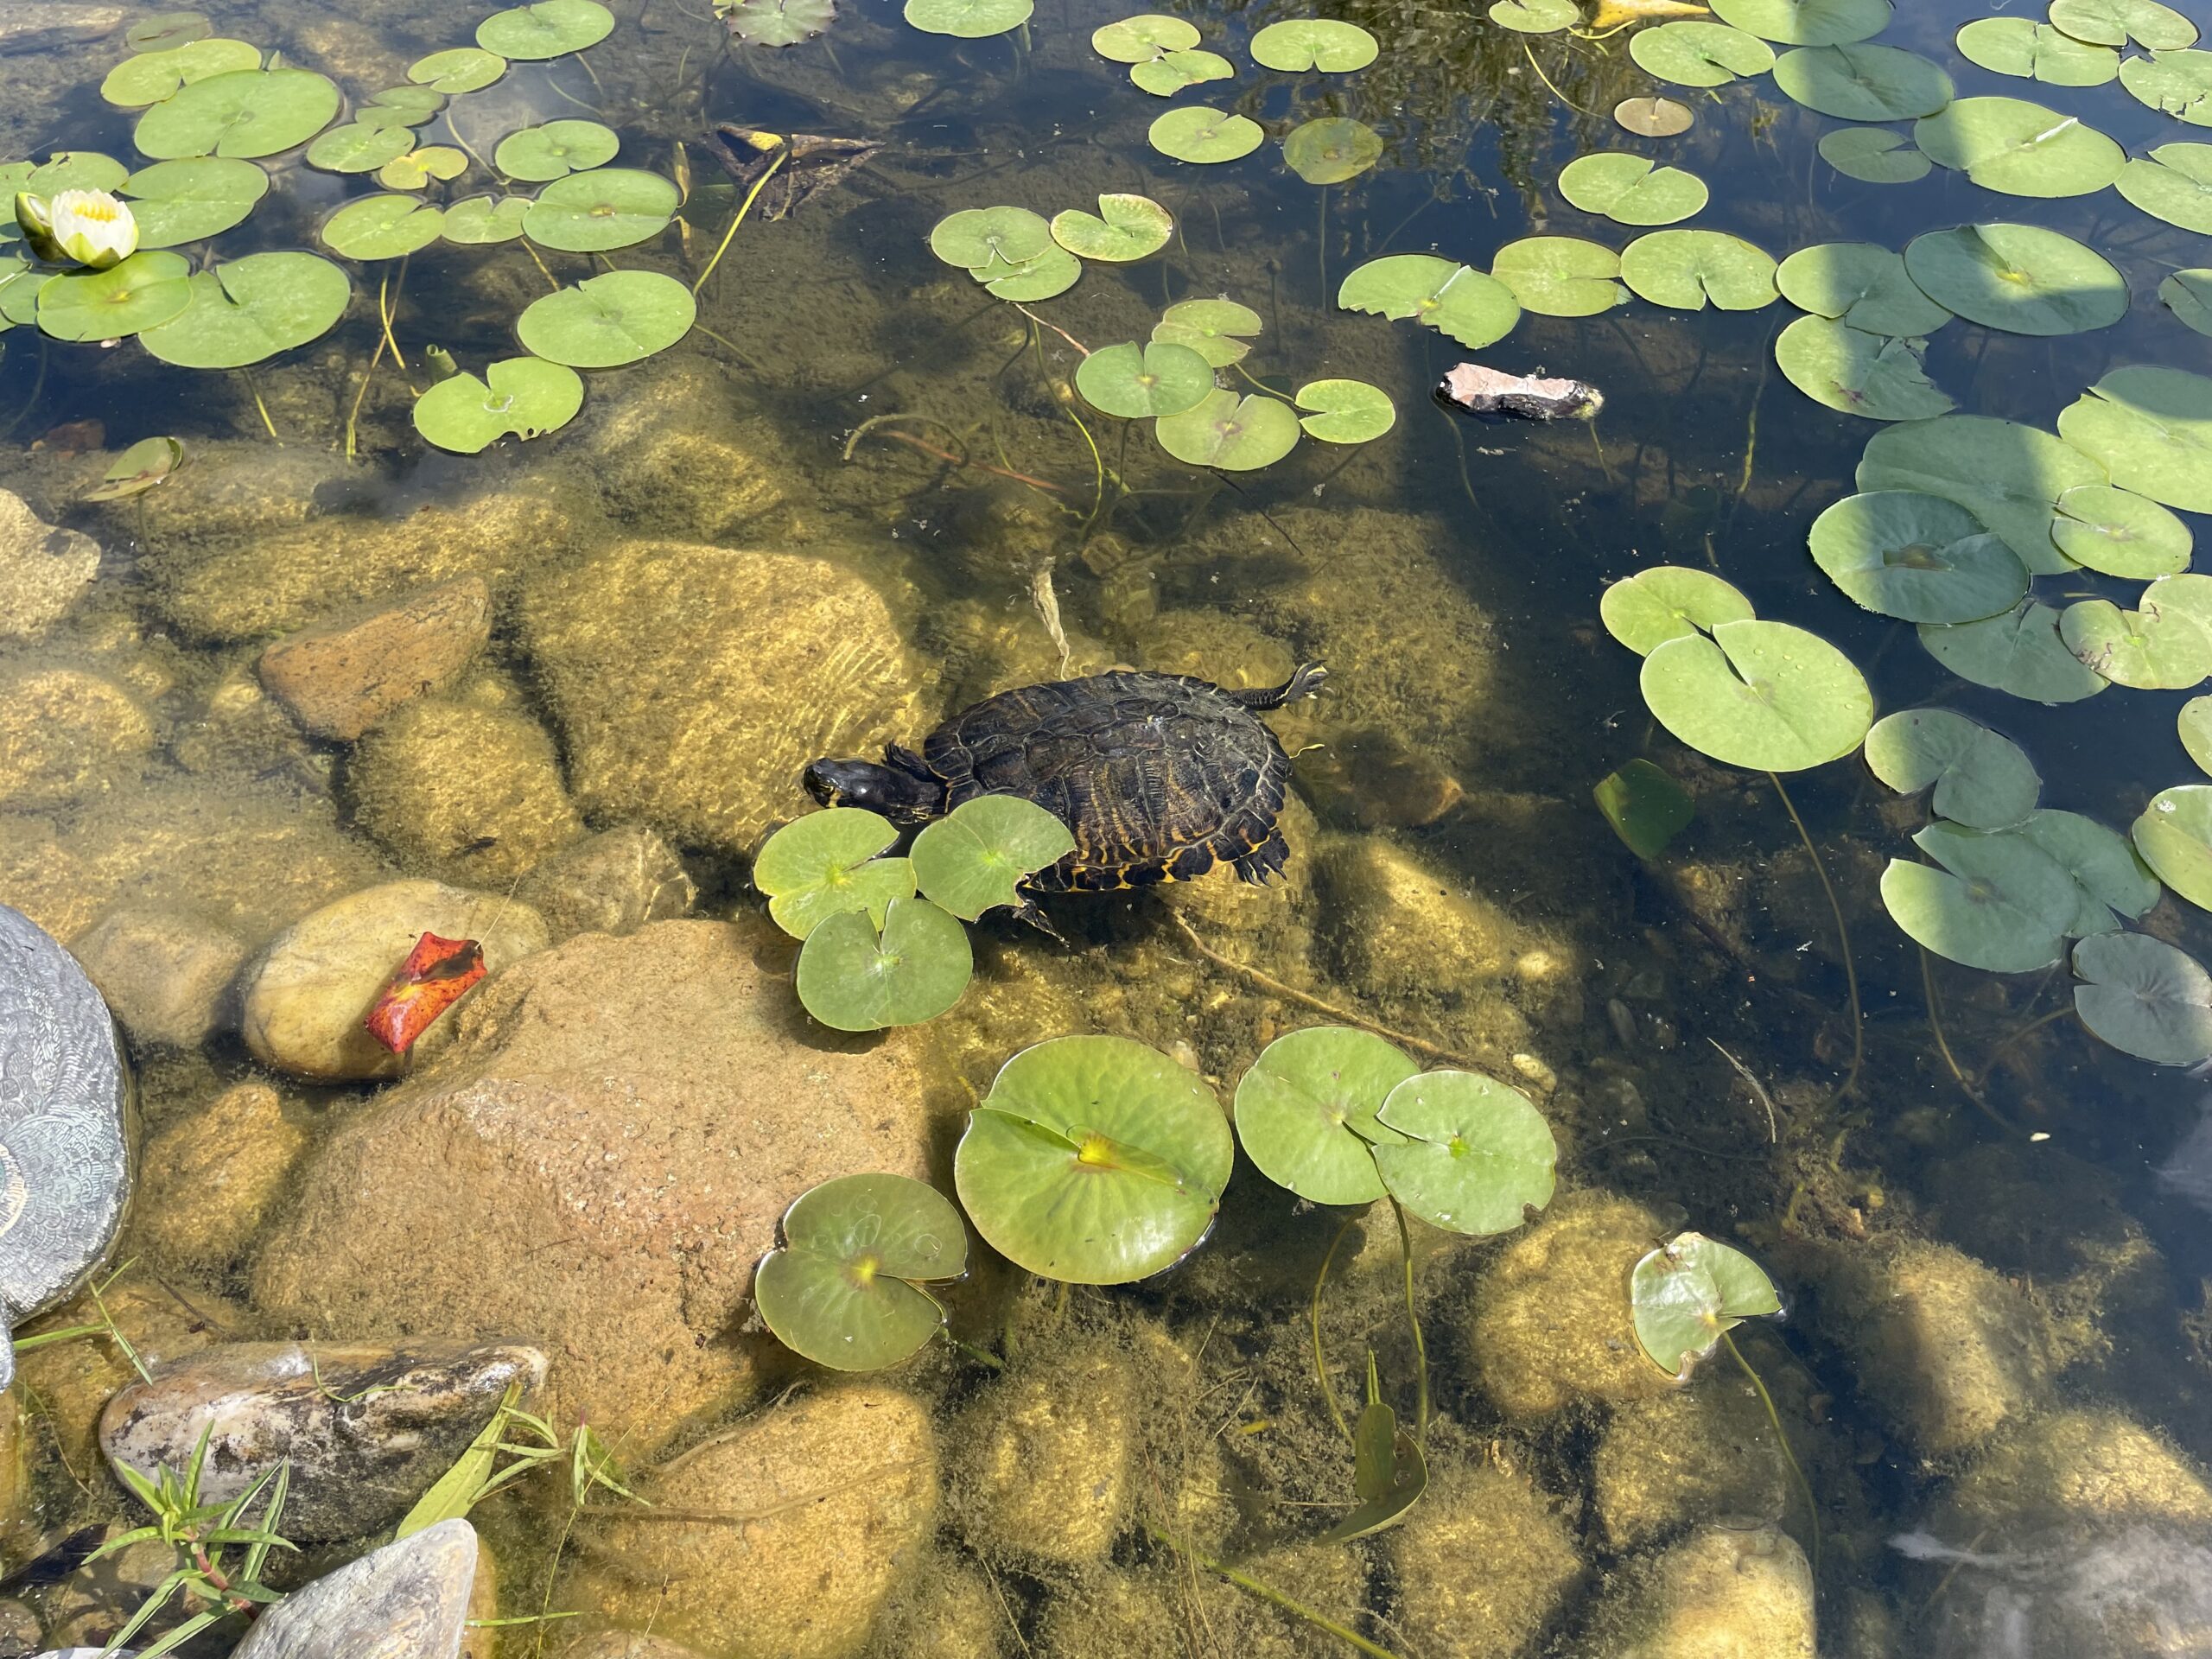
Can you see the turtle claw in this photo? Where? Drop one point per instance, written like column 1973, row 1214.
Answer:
column 1028, row 911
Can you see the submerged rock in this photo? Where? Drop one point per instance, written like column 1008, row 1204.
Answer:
column 473, row 793
column 206, row 1184
column 2074, row 1470
column 1704, row 1453
column 1719, row 1594
column 366, row 1429
column 1492, row 392
column 627, row 1644
column 167, row 975
column 75, row 1380
column 1043, row 1460
column 29, row 25
column 612, row 882
column 66, row 734
column 408, row 1600
column 348, row 671
column 43, row 571
column 2145, row 1591
column 1484, row 1564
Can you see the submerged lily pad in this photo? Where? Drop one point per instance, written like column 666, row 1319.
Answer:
column 2159, row 647
column 165, row 30
column 1762, row 695
column 606, row 208
column 2110, row 882
column 1561, row 275
column 1346, row 411
column 478, row 221
column 1806, row 22
column 1331, row 150
column 1125, row 227
column 1646, row 807
column 1237, row 434
column 1919, row 557
column 540, row 155
column 1215, row 329
column 1472, row 1156
column 1321, row 43
column 1454, row 299
column 1700, row 54
column 2020, row 149
column 1669, row 602
column 1859, row 283
column 137, row 469
column 1981, row 779
column 607, row 320
column 152, row 76
column 1873, row 155
column 359, row 148
column 1305, row 1112
column 2119, row 533
column 1535, row 16
column 176, row 202
column 1653, row 118
column 1135, row 382
column 247, row 113
column 2150, row 429
column 462, row 69
column 2144, row 997
column 967, row 20
column 2034, row 51
column 779, row 22
column 975, row 858
column 526, row 398
column 2019, row 651
column 545, row 28
column 845, row 1289
column 2188, row 295
column 248, row 309
column 2154, row 27
column 852, row 976
column 2008, row 476
column 1136, row 39
column 1685, row 1295
column 1170, row 72
column 1864, row 83
column 1997, row 902
column 1094, row 1160
column 828, row 862
column 2174, row 836
column 1197, row 134
column 1683, row 270
column 1846, row 368
column 382, row 227
column 1632, row 189
column 142, row 292
column 2178, row 84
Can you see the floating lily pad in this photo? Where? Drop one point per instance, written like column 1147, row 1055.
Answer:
column 1305, row 1112
column 1346, row 411
column 852, row 976
column 1646, row 807
column 2110, row 882
column 19, row 282
column 146, row 463
column 609, row 319
column 2188, row 295
column 1321, row 43
column 415, row 170
column 2020, row 149
column 1135, row 40
column 152, row 76
column 978, row 237
column 1859, row 283
column 1653, row 118
column 1873, row 155
column 1997, row 903
column 2144, row 997
column 357, row 148
column 1094, row 1160
column 606, row 208
column 2154, row 27
column 1919, row 557
column 1237, row 434
column 1195, row 133
column 526, row 398
column 247, row 113
column 1846, row 368
column 176, row 202
column 2195, row 726
column 167, row 30
column 828, row 862
column 845, row 1289
column 1685, row 1295
column 1864, row 83
column 1561, row 275
column 2150, row 429
column 1683, row 270
column 1669, row 602
column 142, row 292
column 1125, row 227
column 1700, row 54
column 1135, row 382
column 75, row 170
column 1981, row 779
column 382, row 227
column 1456, row 301
column 539, row 154
column 2033, row 51
column 2119, row 533
column 462, row 69
column 2174, row 836
column 478, row 221
column 402, row 106
column 1535, row 16
column 2178, row 84
column 779, row 22
column 1806, row 22
column 1054, row 272
column 2019, row 651
column 1474, row 1156
column 2009, row 477
column 547, row 28
column 1632, row 189
column 1762, row 695
column 967, row 20
column 2157, row 648
column 1170, row 72
column 1331, row 150
column 247, row 309
column 2173, row 183
column 976, row 857
column 1215, row 329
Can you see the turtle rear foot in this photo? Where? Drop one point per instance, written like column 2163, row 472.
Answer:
column 1264, row 861
column 1304, row 682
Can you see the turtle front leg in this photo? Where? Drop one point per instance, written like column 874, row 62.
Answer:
column 1264, row 861
column 1026, row 911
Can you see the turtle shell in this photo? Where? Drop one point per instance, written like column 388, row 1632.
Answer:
column 1158, row 776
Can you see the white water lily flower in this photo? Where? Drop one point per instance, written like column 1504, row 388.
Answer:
column 90, row 227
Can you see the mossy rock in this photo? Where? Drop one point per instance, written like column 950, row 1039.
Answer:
column 66, row 734
column 462, row 792
column 2074, row 1468
column 1720, row 1593
column 1482, row 1565
column 1044, row 1458
column 1703, row 1452
column 210, row 1181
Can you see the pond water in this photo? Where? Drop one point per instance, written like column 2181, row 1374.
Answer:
column 861, row 493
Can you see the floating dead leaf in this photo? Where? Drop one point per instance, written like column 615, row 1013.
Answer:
column 435, row 976
column 1619, row 14
column 811, row 163
column 1653, row 118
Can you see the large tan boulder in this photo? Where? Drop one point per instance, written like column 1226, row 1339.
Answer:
column 43, row 571
column 349, row 670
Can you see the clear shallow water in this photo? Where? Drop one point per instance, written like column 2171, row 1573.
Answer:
column 1449, row 574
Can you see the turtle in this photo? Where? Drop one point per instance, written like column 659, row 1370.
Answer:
column 1158, row 777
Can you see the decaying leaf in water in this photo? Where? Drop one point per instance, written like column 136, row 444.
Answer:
column 811, row 164
column 1653, row 118
column 1619, row 14
column 436, row 975
column 138, row 468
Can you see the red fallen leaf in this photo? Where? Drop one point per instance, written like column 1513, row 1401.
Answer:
column 433, row 978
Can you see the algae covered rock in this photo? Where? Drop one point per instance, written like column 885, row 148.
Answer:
column 341, row 677
column 946, row 1610
column 668, row 461
column 694, row 684
column 1043, row 1458
column 472, row 793
column 205, row 1184
column 627, row 1644
column 43, row 571
column 166, row 975
column 1482, row 1565
column 612, row 882
column 2096, row 1469
column 1720, row 1593
column 66, row 734
column 1703, row 1452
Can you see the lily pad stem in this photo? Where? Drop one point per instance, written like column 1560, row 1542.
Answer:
column 1804, row 1486
column 1943, row 1047
column 2014, row 1036
column 1042, row 323
column 981, row 1356
column 1274, row 1598
column 1843, row 936
column 353, row 415
column 38, row 385
column 913, row 443
column 744, row 207
column 260, row 406
column 1421, row 1347
column 540, row 264
column 1546, row 80
column 1320, row 1364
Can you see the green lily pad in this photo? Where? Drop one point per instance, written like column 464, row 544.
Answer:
column 853, row 977
column 1653, row 118
column 2020, row 149
column 1864, row 83
column 478, row 221
column 527, row 398
column 2173, row 183
column 2178, row 84
column 1125, row 227
column 1997, row 903
column 2195, row 726
column 2188, row 295
column 605, row 322
column 1632, row 189
column 1456, row 301
column 2144, row 997
column 606, row 208
column 138, row 469
column 75, row 170
column 1215, row 329
column 547, row 28
column 2153, row 648
column 1346, row 411
column 1305, row 1112
column 1762, row 695
column 1170, row 72
column 1136, row 382
column 1389, row 1471
column 166, row 29
column 967, row 20
column 2008, row 476
column 2174, row 836
column 462, row 69
column 1646, row 807
column 152, row 76
column 1683, row 270
column 142, row 292
column 845, row 1289
column 19, row 282
column 779, row 22
column 1195, row 133
column 382, row 227
column 357, row 148
column 1859, row 283
column 1331, row 150
column 827, row 863
column 1321, row 43
column 1475, row 1155
column 2110, row 882
column 1684, row 1296
column 1917, row 557
column 1535, row 16
column 2033, row 51
column 2150, row 429
column 2116, row 22
column 978, row 237
column 2019, row 651
column 415, row 170
column 248, row 309
column 1237, row 434
column 1669, row 602
column 247, row 113
column 975, row 858
column 1873, row 155
column 1859, row 373
column 1561, row 275
column 1700, row 54
column 1806, row 22
column 176, row 202
column 403, row 106
column 539, row 154
column 1054, row 272
column 1981, row 779
column 1136, row 39
column 2119, row 533
column 1094, row 1160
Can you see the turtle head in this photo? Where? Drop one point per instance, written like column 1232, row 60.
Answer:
column 903, row 789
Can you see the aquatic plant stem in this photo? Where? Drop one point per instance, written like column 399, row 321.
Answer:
column 1413, row 1319
column 1804, row 1486
column 38, row 385
column 912, row 442
column 1943, row 1047
column 260, row 406
column 1843, row 938
column 1273, row 1597
column 1546, row 80
column 744, row 207
column 2013, row 1036
column 541, row 265
column 1320, row 1364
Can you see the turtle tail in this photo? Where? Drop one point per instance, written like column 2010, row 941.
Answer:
column 1305, row 681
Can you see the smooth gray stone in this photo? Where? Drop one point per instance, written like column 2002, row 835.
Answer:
column 65, row 1126
column 89, row 1653
column 33, row 25
column 408, row 1600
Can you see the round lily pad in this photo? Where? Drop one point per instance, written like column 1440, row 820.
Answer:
column 844, row 1289
column 165, row 30
column 1859, row 283
column 1632, row 189
column 1848, row 369
column 1054, row 272
column 975, row 858
column 967, row 20
column 1864, row 83
column 2110, row 882
column 2119, row 533
column 1321, row 43
column 1919, row 557
column 1684, row 1296
column 1215, row 329
column 402, row 106
column 1474, row 1156
column 1561, row 275
column 1700, row 54
column 2150, row 429
column 2154, row 27
column 1195, row 133
column 176, row 202
column 779, row 22
column 478, row 221
column 828, row 862
column 248, row 309
column 523, row 398
column 978, row 237
column 1669, row 602
column 140, row 292
column 1535, row 16
column 2034, row 51
column 539, row 154
column 152, row 76
column 356, row 148
column 2195, row 725
column 2018, row 148
column 1873, row 155
column 1683, row 270
column 2008, row 476
column 75, row 170
column 146, row 463
column 1135, row 382
column 2178, row 84
column 1237, row 434
column 1456, row 301
column 1997, row 903
column 382, row 227
column 415, row 170
column 1305, row 1112
column 1653, row 118
column 2144, row 997
column 1762, row 695
column 2157, row 648
column 1125, row 227
column 1331, row 150
column 19, row 282
column 2021, row 278
column 1806, row 22
column 2188, row 295
column 609, row 319
column 462, row 69
column 547, row 28
column 606, row 208
column 2019, row 651
column 1134, row 39
column 1170, row 72
column 1094, row 1160
column 853, row 977
column 2173, row 183
column 2174, row 836
column 247, row 113
column 1346, row 411
column 1981, row 779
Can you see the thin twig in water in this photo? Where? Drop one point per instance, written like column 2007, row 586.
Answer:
column 912, row 442
column 1805, row 1486
column 1054, row 326
column 1758, row 1089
